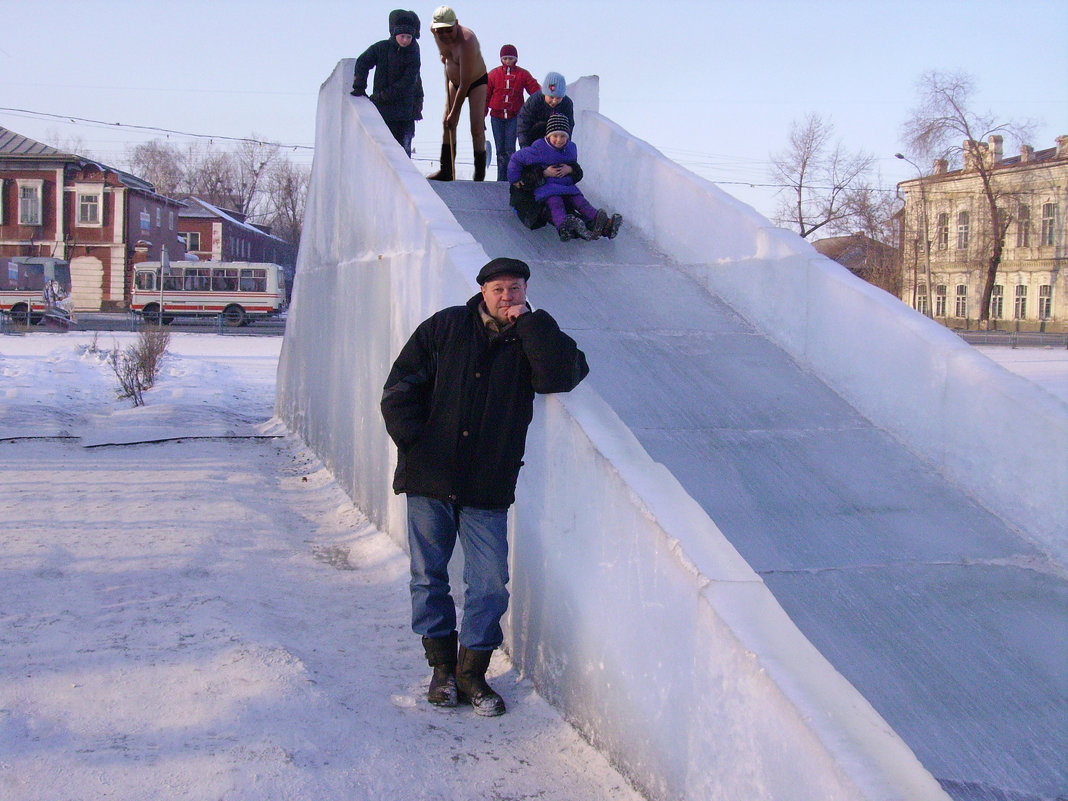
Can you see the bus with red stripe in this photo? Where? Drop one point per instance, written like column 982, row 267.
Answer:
column 240, row 292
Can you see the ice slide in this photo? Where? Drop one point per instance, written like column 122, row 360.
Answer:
column 728, row 460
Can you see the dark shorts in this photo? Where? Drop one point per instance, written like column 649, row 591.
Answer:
column 478, row 82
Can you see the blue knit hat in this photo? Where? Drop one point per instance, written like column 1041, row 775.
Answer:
column 554, row 85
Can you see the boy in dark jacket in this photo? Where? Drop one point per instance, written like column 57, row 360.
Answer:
column 504, row 99
column 552, row 99
column 398, row 89
column 555, row 162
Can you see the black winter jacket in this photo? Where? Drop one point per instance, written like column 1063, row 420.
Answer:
column 536, row 112
column 458, row 402
column 398, row 90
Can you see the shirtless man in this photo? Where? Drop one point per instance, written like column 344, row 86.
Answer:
column 466, row 78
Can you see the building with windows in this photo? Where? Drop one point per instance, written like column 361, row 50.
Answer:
column 947, row 231
column 215, row 234
column 98, row 218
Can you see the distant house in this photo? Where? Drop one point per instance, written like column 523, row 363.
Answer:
column 948, row 229
column 72, row 207
column 215, row 234
column 866, row 258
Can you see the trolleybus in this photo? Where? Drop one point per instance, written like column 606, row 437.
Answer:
column 239, row 291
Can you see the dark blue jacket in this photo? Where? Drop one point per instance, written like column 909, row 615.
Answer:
column 536, row 112
column 398, row 91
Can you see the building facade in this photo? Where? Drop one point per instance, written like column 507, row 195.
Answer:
column 98, row 218
column 214, row 234
column 947, row 231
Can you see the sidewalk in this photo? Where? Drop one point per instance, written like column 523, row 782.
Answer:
column 212, row 618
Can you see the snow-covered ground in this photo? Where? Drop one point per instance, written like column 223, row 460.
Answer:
column 191, row 608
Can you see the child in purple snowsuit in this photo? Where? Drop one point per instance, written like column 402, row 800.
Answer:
column 555, row 162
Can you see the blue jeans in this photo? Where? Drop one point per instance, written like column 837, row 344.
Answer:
column 433, row 528
column 504, row 133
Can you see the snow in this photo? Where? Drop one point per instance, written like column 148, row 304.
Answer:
column 191, row 607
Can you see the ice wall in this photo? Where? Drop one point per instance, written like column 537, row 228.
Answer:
column 630, row 610
column 995, row 434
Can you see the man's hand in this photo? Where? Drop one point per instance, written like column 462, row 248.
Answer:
column 512, row 313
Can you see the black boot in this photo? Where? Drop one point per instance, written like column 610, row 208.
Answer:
column 612, row 228
column 471, row 682
column 598, row 224
column 575, row 228
column 480, row 166
column 441, row 655
column 448, row 158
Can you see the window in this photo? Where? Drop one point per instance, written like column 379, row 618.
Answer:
column 89, row 202
column 170, row 220
column 997, row 298
column 143, row 279
column 30, row 211
column 943, row 231
column 921, row 298
column 940, row 300
column 192, row 240
column 1023, row 226
column 1049, row 216
column 253, row 280
column 1019, row 310
column 962, row 230
column 962, row 301
column 1045, row 302
column 159, row 217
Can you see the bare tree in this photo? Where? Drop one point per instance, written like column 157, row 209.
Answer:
column 943, row 117
column 819, row 178
column 254, row 179
column 160, row 164
column 287, row 194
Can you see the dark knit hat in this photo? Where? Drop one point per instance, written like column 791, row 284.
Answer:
column 401, row 21
column 503, row 266
column 557, row 122
column 554, row 85
column 509, row 50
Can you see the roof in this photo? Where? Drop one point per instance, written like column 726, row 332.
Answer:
column 852, row 251
column 13, row 144
column 195, row 207
column 17, row 146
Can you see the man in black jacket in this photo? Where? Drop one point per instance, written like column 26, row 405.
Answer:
column 398, row 89
column 457, row 403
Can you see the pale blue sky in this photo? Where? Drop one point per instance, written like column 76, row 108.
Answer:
column 714, row 85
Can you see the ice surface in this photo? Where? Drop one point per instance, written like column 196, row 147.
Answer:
column 789, row 416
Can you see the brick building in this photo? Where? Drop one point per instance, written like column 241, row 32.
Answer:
column 71, row 207
column 215, row 234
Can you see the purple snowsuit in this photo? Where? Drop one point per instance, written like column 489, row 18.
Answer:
column 554, row 190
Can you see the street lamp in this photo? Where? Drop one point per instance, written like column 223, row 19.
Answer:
column 928, row 307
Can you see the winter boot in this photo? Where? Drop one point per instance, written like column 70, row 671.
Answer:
column 597, row 225
column 441, row 655
column 612, row 228
column 471, row 683
column 578, row 228
column 448, row 158
column 480, row 166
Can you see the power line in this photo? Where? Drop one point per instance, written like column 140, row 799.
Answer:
column 151, row 128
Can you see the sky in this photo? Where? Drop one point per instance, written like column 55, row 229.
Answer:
column 714, row 85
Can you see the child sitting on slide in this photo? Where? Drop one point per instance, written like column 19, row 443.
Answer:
column 549, row 168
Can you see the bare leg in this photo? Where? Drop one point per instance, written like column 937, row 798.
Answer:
column 476, row 107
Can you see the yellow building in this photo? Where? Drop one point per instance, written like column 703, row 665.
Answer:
column 948, row 235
